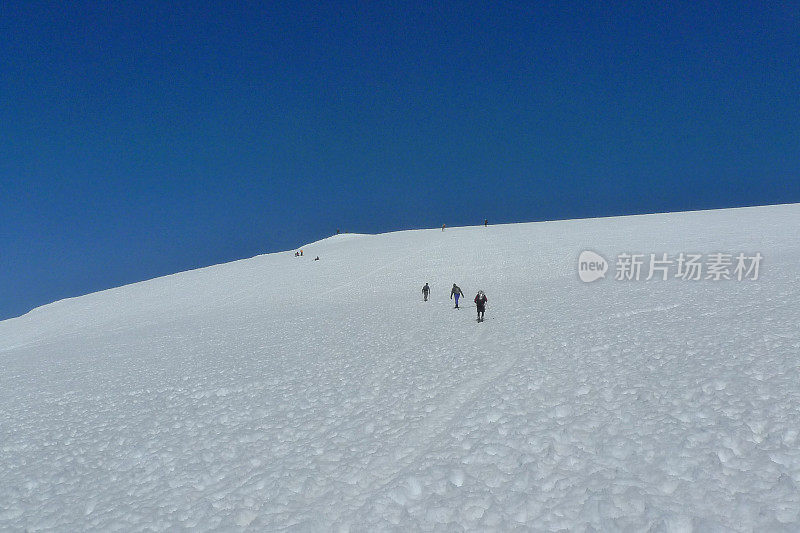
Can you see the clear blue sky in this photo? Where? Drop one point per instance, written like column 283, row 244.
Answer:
column 139, row 139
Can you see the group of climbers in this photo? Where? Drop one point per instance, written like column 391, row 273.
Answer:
column 456, row 293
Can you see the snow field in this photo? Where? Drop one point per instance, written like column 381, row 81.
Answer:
column 279, row 393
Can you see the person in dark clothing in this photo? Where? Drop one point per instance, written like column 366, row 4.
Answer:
column 456, row 292
column 480, row 303
column 425, row 291
column 485, row 222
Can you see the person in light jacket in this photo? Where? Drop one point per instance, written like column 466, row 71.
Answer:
column 480, row 303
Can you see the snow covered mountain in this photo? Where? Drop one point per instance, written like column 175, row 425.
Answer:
column 283, row 393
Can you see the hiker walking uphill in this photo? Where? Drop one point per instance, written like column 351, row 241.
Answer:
column 425, row 291
column 456, row 292
column 480, row 303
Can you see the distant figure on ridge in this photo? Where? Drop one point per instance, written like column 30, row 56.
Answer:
column 443, row 227
column 425, row 291
column 456, row 292
column 301, row 253
column 480, row 303
column 485, row 222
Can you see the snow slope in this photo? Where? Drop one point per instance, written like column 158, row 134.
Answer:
column 280, row 393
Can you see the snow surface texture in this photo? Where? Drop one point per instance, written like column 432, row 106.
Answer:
column 283, row 393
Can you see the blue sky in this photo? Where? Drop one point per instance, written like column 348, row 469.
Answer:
column 139, row 139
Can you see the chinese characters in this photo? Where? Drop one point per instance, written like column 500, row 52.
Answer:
column 688, row 267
